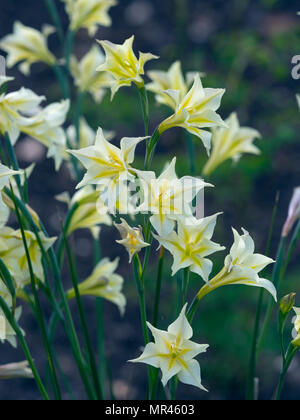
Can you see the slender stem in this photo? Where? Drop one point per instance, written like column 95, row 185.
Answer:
column 151, row 146
column 145, row 107
column 141, row 293
column 68, row 48
column 94, row 368
column 40, row 315
column 25, row 348
column 51, row 6
column 286, row 364
column 158, row 286
column 62, row 80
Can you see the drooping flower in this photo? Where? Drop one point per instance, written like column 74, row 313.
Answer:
column 174, row 353
column 46, row 127
column 12, row 108
column 173, row 79
column 196, row 111
column 87, row 78
column 105, row 283
column 89, row 14
column 241, row 266
column 192, row 244
column 16, row 370
column 231, row 143
column 106, row 164
column 132, row 238
column 27, row 45
column 293, row 213
column 86, row 215
column 8, row 333
column 122, row 64
column 168, row 197
column 296, row 341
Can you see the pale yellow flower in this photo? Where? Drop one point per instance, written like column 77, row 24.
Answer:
column 46, row 127
column 122, row 64
column 192, row 244
column 5, row 175
column 231, row 143
column 16, row 370
column 87, row 78
column 196, row 111
column 296, row 341
column 86, row 216
column 168, row 197
column 107, row 164
column 105, row 283
column 241, row 266
column 293, row 214
column 89, row 14
column 132, row 238
column 8, row 332
column 27, row 45
column 13, row 106
column 174, row 353
column 87, row 135
column 173, row 79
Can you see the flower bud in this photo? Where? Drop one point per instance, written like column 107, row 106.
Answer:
column 287, row 303
column 16, row 370
column 293, row 214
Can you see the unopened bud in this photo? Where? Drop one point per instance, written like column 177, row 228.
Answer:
column 293, row 214
column 287, row 303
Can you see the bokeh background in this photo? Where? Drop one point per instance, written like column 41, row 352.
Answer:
column 245, row 47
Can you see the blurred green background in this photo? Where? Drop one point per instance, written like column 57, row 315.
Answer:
column 245, row 47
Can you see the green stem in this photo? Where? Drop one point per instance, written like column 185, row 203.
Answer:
column 51, row 6
column 68, row 48
column 62, row 80
column 289, row 358
column 150, row 150
column 40, row 315
column 25, row 348
column 94, row 368
column 158, row 286
column 145, row 108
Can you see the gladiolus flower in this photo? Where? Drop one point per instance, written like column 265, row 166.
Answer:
column 132, row 238
column 123, row 65
column 241, row 266
column 293, row 214
column 27, row 45
column 105, row 283
column 89, row 14
column 87, row 79
column 16, row 370
column 5, row 175
column 296, row 341
column 173, row 79
column 231, row 143
column 196, row 111
column 86, row 135
column 106, row 164
column 86, row 215
column 173, row 352
column 192, row 244
column 168, row 197
column 8, row 334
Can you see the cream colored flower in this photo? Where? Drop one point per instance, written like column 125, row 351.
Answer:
column 87, row 78
column 174, row 353
column 106, row 164
column 168, row 197
column 122, row 64
column 173, row 79
column 89, row 14
column 241, row 266
column 293, row 214
column 86, row 216
column 5, row 175
column 196, row 111
column 105, row 283
column 27, row 45
column 132, row 238
column 16, row 370
column 296, row 341
column 46, row 127
column 192, row 244
column 231, row 143
column 13, row 106
column 13, row 254
column 9, row 334
column 86, row 135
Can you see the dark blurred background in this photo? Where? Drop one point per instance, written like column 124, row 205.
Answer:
column 245, row 47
